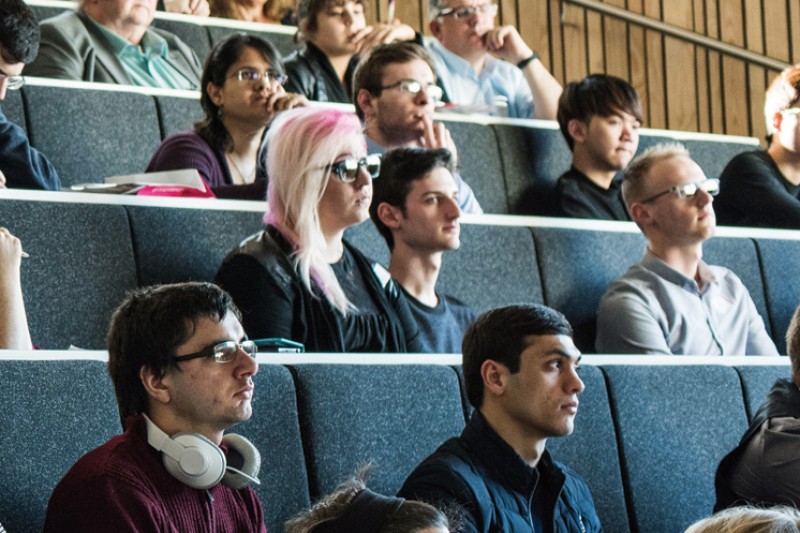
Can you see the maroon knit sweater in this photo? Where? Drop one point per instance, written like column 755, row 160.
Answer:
column 123, row 486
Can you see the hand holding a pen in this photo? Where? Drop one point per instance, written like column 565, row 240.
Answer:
column 383, row 33
column 11, row 254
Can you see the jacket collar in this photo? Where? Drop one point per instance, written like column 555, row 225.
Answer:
column 503, row 463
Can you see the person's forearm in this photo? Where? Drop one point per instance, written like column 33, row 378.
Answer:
column 14, row 333
column 545, row 89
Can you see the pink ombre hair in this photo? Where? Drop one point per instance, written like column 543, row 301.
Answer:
column 299, row 145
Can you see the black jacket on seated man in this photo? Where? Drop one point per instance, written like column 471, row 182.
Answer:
column 783, row 401
column 23, row 166
column 508, row 495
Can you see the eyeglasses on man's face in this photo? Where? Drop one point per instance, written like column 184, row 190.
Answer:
column 254, row 76
column 433, row 91
column 224, row 352
column 465, row 12
column 347, row 169
column 13, row 83
column 688, row 190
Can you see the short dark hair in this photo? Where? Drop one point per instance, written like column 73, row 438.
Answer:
column 219, row 60
column 369, row 72
column 596, row 94
column 19, row 32
column 502, row 335
column 148, row 327
column 400, row 168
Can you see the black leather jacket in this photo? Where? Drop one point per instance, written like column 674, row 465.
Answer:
column 260, row 276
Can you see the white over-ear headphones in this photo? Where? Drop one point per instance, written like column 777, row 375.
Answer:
column 199, row 463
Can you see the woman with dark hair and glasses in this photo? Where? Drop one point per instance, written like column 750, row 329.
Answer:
column 299, row 279
column 242, row 86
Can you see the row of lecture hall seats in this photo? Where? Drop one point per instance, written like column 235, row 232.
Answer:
column 90, row 131
column 201, row 34
column 648, row 437
column 87, row 250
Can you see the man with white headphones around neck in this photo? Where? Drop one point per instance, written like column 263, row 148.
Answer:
column 182, row 371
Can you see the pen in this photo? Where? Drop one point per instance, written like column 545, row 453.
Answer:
column 390, row 12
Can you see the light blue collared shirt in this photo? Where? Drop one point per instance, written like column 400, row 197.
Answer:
column 498, row 80
column 147, row 65
column 654, row 309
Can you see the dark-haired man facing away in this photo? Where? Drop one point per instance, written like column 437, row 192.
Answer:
column 182, row 372
column 21, row 166
column 764, row 468
column 599, row 117
column 520, row 371
column 415, row 207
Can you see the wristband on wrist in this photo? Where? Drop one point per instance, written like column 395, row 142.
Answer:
column 524, row 63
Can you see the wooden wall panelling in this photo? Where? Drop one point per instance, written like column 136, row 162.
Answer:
column 534, row 27
column 776, row 21
column 680, row 69
column 574, row 43
column 704, row 22
column 716, row 87
column 757, row 76
column 794, row 31
column 637, row 56
column 656, row 80
column 410, row 12
column 735, row 101
column 555, row 48
column 616, row 43
column 595, row 51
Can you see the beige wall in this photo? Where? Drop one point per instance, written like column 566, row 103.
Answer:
column 684, row 87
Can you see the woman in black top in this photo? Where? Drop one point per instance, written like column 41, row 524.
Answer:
column 299, row 279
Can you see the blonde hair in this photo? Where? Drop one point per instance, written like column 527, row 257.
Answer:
column 635, row 175
column 299, row 145
column 750, row 520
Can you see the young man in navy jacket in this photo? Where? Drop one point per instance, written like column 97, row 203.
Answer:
column 520, row 370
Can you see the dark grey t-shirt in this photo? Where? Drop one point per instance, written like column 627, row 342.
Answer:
column 442, row 327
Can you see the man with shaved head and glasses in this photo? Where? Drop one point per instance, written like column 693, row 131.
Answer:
column 466, row 49
column 21, row 166
column 183, row 371
column 395, row 94
column 672, row 302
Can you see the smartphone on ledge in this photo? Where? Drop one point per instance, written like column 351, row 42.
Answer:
column 279, row 345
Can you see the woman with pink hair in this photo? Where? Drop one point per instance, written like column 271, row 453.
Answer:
column 299, row 279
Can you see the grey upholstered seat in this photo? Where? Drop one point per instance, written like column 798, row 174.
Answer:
column 576, row 267
column 352, row 415
column 494, row 266
column 80, row 267
column 274, row 429
column 175, row 245
column 778, row 261
column 592, row 451
column 674, row 425
column 756, row 383
column 90, row 134
column 480, row 165
column 53, row 412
